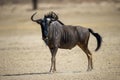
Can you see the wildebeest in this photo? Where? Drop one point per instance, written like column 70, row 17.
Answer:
column 57, row 35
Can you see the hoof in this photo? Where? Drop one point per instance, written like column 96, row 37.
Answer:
column 89, row 70
column 52, row 71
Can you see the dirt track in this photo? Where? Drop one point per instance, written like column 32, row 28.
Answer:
column 24, row 56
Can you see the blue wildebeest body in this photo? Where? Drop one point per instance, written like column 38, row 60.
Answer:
column 66, row 37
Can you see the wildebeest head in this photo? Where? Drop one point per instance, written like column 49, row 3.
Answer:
column 48, row 18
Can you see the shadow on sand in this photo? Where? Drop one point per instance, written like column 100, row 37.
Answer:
column 42, row 73
column 26, row 74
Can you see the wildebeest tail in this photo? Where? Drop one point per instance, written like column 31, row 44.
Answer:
column 98, row 37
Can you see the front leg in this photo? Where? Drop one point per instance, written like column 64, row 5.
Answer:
column 53, row 59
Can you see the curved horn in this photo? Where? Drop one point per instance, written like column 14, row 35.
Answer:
column 33, row 16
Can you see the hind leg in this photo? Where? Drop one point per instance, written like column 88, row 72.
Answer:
column 83, row 44
column 89, row 56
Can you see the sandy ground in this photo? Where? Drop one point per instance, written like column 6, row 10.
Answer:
column 24, row 56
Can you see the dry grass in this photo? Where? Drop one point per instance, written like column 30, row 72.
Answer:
column 24, row 56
